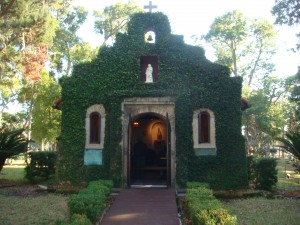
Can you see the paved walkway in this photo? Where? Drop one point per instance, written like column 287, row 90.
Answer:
column 143, row 206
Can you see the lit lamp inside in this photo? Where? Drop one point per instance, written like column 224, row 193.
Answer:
column 135, row 124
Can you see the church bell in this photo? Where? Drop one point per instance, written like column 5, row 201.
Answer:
column 150, row 38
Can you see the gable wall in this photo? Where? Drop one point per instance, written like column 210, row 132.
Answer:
column 185, row 75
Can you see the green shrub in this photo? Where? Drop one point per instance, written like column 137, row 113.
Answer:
column 98, row 183
column 203, row 207
column 76, row 219
column 89, row 204
column 262, row 172
column 215, row 216
column 80, row 219
column 92, row 200
column 41, row 166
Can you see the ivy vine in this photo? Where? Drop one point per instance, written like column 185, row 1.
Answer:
column 184, row 73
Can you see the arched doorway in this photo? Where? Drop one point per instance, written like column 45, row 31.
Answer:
column 149, row 155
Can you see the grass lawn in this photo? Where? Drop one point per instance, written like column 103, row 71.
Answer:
column 13, row 173
column 48, row 208
column 285, row 167
column 28, row 209
column 261, row 211
column 38, row 210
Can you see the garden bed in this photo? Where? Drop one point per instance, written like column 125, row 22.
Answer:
column 238, row 193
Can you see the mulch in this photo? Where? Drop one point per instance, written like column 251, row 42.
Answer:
column 6, row 183
column 185, row 215
column 15, row 189
column 292, row 194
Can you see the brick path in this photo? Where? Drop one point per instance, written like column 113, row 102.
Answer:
column 143, row 206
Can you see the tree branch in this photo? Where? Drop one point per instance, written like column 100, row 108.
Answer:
column 255, row 64
column 8, row 7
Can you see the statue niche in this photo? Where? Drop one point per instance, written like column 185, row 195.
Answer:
column 149, row 68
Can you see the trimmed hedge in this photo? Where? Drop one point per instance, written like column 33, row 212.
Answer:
column 76, row 219
column 204, row 209
column 92, row 200
column 41, row 166
column 262, row 172
column 215, row 216
column 194, row 184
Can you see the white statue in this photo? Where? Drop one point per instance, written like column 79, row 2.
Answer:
column 149, row 75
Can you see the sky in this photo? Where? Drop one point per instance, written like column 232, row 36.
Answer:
column 194, row 17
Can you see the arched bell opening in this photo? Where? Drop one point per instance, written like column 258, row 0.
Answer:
column 150, row 36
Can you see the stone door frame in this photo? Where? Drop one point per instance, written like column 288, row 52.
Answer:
column 132, row 107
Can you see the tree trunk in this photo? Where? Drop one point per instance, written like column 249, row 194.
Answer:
column 2, row 162
column 247, row 136
column 28, row 121
column 43, row 145
column 255, row 66
column 233, row 52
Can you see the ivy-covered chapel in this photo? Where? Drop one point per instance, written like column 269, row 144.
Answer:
column 152, row 110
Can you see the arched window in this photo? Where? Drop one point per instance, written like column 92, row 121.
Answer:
column 204, row 127
column 95, row 128
column 204, row 132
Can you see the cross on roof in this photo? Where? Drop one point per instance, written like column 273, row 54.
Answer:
column 150, row 6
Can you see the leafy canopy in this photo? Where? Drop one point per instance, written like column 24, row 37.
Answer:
column 287, row 12
column 46, row 121
column 27, row 31
column 243, row 45
column 114, row 19
column 66, row 39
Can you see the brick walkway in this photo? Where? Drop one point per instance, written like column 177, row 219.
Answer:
column 143, row 206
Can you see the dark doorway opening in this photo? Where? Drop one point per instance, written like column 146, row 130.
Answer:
column 149, row 150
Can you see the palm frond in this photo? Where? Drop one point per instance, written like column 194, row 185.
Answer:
column 291, row 144
column 12, row 143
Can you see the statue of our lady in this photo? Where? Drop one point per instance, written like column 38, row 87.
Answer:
column 149, row 74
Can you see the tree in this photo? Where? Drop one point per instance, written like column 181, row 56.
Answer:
column 226, row 34
column 46, row 121
column 287, row 12
column 28, row 28
column 13, row 121
column 82, row 53
column 295, row 92
column 268, row 116
column 66, row 39
column 244, row 46
column 294, row 96
column 114, row 19
column 291, row 144
column 27, row 31
column 12, row 143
